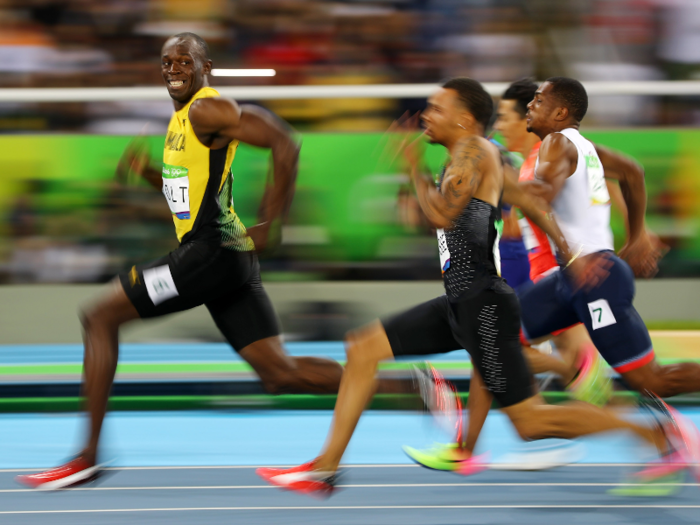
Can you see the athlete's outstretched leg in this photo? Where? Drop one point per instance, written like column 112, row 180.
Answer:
column 281, row 373
column 623, row 339
column 365, row 349
column 665, row 381
column 101, row 324
column 533, row 419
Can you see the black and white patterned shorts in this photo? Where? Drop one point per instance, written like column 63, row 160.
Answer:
column 486, row 325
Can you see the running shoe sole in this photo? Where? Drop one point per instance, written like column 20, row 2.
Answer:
column 442, row 458
column 82, row 477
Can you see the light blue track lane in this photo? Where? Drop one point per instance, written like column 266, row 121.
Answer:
column 256, row 438
column 176, row 352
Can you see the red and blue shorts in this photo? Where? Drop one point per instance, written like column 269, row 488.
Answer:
column 613, row 323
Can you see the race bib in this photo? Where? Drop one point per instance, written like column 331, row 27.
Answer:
column 597, row 189
column 176, row 188
column 601, row 314
column 159, row 284
column 443, row 249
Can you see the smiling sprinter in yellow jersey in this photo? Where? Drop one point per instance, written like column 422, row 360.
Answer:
column 215, row 264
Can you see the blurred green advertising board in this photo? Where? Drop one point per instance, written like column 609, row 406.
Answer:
column 346, row 207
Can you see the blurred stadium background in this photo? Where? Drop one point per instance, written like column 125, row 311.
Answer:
column 80, row 78
column 66, row 225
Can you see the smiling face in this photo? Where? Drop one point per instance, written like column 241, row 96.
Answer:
column 443, row 115
column 184, row 68
column 511, row 125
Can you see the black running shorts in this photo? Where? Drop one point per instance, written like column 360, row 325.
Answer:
column 226, row 281
column 487, row 326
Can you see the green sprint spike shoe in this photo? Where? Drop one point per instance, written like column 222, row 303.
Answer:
column 658, row 487
column 593, row 384
column 446, row 457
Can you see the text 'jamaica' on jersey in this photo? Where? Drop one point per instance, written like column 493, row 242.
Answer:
column 197, row 183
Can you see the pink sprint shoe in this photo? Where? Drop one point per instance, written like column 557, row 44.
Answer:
column 683, row 438
column 668, row 465
column 441, row 398
column 473, row 465
column 686, row 440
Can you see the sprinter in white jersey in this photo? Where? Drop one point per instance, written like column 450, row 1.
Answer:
column 570, row 174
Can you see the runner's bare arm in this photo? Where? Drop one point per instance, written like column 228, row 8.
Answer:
column 643, row 249
column 515, row 195
column 462, row 179
column 557, row 161
column 618, row 202
column 631, row 178
column 136, row 159
column 218, row 121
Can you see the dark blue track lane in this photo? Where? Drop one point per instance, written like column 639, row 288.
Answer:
column 386, row 495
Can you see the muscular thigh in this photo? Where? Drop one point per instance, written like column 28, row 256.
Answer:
column 615, row 326
column 422, row 330
column 245, row 315
column 545, row 308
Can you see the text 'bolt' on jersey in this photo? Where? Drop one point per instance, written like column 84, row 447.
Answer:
column 197, row 183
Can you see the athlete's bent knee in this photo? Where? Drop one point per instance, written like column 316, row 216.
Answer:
column 281, row 380
column 278, row 386
column 96, row 316
column 368, row 345
column 358, row 353
column 527, row 430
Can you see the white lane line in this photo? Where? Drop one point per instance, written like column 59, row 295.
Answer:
column 351, row 507
column 388, row 465
column 365, row 486
column 205, row 467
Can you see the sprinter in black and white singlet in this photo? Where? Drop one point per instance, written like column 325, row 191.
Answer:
column 479, row 312
column 570, row 174
column 467, row 250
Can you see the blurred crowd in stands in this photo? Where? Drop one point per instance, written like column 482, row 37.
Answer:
column 54, row 229
column 93, row 43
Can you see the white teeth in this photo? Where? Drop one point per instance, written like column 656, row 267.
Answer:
column 176, row 83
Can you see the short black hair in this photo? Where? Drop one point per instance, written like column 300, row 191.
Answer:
column 198, row 40
column 522, row 91
column 571, row 94
column 474, row 97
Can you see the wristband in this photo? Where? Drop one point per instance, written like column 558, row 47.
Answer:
column 574, row 257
